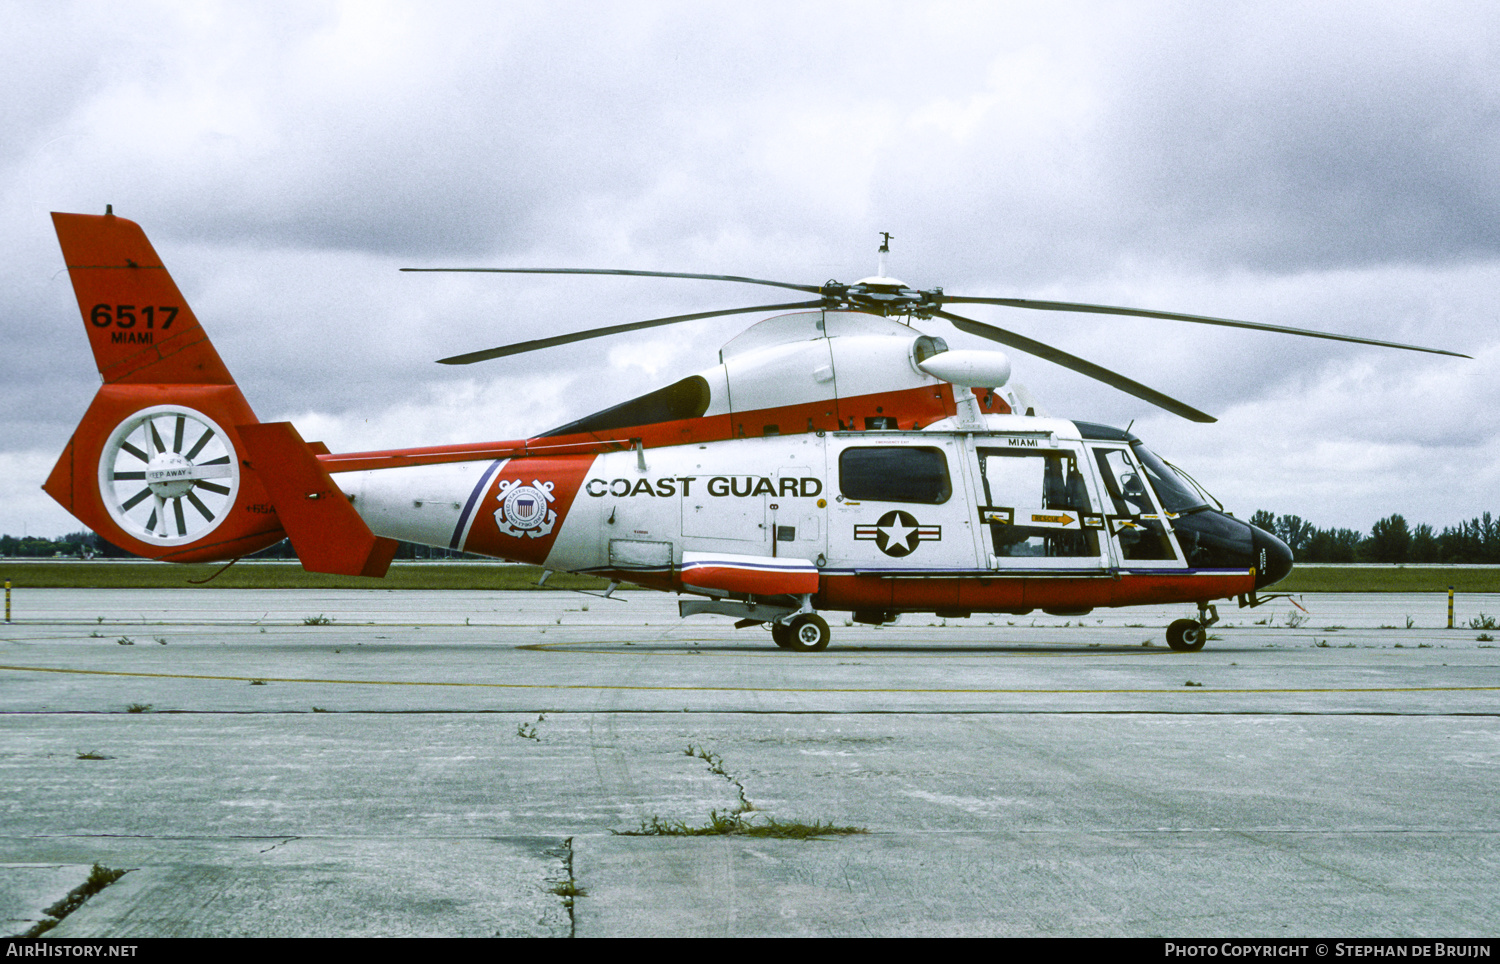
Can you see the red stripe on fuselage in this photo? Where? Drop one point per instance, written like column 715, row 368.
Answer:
column 539, row 491
column 999, row 593
column 912, row 408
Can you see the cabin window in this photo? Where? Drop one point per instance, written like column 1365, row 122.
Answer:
column 893, row 474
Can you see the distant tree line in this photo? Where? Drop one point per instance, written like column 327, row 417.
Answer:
column 88, row 545
column 78, row 545
column 1390, row 540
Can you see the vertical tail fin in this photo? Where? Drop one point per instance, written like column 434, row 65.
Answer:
column 156, row 465
column 140, row 327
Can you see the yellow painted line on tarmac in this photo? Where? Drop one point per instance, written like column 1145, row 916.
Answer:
column 846, row 651
column 1195, row 690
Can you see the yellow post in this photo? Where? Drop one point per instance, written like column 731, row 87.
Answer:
column 1450, row 607
column 7, row 600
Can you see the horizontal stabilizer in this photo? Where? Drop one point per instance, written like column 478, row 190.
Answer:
column 757, row 575
column 327, row 533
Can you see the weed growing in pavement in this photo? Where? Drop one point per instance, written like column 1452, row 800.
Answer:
column 735, row 824
column 138, row 708
column 100, row 877
column 318, row 620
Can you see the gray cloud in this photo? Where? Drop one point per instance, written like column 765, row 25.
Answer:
column 1325, row 167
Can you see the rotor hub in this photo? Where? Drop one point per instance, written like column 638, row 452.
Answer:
column 882, row 296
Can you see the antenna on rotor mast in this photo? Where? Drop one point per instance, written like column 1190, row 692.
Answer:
column 885, row 249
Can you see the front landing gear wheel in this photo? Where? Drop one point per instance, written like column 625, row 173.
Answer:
column 808, row 633
column 781, row 635
column 1186, row 635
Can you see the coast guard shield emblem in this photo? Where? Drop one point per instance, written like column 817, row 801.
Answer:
column 523, row 509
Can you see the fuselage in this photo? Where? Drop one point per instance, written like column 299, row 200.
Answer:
column 1029, row 513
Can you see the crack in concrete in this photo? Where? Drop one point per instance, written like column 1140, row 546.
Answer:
column 276, row 845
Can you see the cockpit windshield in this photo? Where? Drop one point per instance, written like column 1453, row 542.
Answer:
column 1177, row 494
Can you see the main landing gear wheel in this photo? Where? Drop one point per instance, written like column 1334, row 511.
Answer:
column 1187, row 635
column 781, row 635
column 807, row 633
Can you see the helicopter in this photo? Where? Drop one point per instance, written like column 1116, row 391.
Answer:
column 834, row 459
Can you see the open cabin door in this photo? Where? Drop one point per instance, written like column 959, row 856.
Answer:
column 1037, row 510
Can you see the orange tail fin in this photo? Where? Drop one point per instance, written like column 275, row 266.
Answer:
column 156, row 466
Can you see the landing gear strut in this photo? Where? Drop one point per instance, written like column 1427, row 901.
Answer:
column 1189, row 635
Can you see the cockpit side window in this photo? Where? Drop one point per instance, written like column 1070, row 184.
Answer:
column 1136, row 521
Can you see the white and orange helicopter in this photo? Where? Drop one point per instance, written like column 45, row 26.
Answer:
column 835, row 459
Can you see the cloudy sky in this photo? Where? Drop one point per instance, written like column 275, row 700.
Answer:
column 1327, row 165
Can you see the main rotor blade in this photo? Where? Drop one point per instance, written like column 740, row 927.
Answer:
column 525, row 346
column 633, row 274
column 1198, row 319
column 1059, row 357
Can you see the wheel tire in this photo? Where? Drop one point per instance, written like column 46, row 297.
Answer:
column 1186, row 635
column 809, row 634
column 781, row 635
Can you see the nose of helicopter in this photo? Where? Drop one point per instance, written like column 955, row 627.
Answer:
column 1273, row 560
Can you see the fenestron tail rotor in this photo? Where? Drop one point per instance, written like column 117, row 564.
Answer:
column 168, row 475
column 885, row 296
